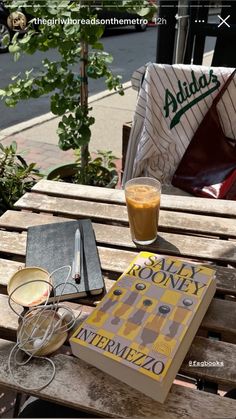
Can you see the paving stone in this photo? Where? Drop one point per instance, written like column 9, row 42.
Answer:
column 46, row 156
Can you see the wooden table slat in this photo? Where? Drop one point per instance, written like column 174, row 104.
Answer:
column 209, row 351
column 72, row 207
column 8, row 319
column 13, row 243
column 175, row 244
column 7, row 269
column 112, row 259
column 22, row 220
column 71, row 190
column 80, row 385
column 169, row 220
column 173, row 202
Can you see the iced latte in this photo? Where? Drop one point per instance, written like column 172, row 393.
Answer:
column 143, row 204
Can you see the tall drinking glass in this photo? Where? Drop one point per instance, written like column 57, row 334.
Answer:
column 143, row 204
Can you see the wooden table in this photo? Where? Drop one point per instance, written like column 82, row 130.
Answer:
column 193, row 228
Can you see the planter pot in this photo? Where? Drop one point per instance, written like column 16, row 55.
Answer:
column 66, row 172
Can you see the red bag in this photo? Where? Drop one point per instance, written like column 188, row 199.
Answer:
column 208, row 167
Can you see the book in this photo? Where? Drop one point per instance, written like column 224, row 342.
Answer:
column 52, row 246
column 142, row 329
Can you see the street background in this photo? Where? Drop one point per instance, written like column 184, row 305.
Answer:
column 129, row 48
column 32, row 125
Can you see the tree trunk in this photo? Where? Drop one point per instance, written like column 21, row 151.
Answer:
column 84, row 100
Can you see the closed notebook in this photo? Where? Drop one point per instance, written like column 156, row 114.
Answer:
column 142, row 329
column 51, row 246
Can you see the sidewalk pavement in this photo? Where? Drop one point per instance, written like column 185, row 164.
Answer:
column 38, row 140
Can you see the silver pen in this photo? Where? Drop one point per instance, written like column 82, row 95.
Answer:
column 76, row 261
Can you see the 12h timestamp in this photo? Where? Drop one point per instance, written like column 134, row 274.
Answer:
column 159, row 21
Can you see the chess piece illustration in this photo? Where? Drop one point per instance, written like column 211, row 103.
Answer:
column 134, row 322
column 179, row 316
column 104, row 309
column 151, row 329
column 121, row 310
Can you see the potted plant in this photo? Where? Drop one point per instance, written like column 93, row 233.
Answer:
column 16, row 176
column 69, row 27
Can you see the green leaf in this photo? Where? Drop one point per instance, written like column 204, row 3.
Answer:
column 15, row 37
column 6, row 40
column 108, row 59
column 23, row 162
column 14, row 146
column 14, row 48
column 31, row 166
column 98, row 45
column 16, row 89
column 28, row 83
column 10, row 102
column 144, row 11
column 24, row 40
column 70, row 29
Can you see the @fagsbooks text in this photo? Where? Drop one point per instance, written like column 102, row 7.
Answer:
column 206, row 363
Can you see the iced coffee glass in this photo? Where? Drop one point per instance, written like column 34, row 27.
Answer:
column 143, row 204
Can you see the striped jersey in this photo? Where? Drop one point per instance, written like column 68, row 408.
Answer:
column 171, row 104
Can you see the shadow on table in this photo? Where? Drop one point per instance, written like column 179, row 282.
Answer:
column 161, row 245
column 43, row 409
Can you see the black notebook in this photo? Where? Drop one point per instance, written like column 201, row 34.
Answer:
column 52, row 246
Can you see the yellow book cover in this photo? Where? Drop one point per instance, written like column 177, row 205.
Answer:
column 142, row 329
